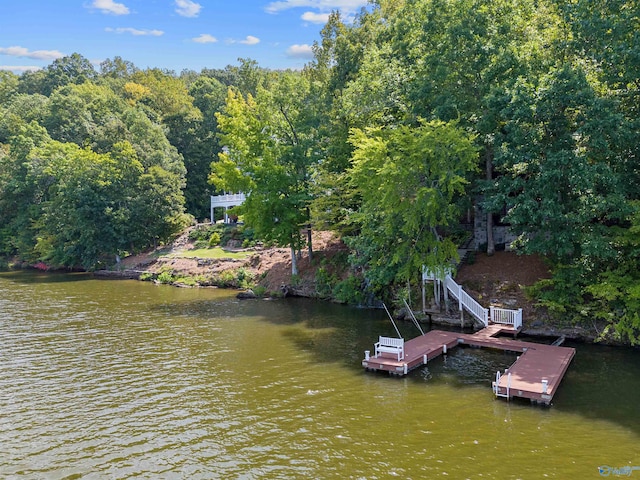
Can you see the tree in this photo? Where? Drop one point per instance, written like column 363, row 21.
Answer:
column 165, row 96
column 337, row 62
column 559, row 157
column 561, row 154
column 408, row 179
column 117, row 68
column 199, row 144
column 72, row 69
column 267, row 156
column 107, row 181
column 459, row 56
column 8, row 86
column 20, row 198
column 76, row 227
column 93, row 115
column 92, row 206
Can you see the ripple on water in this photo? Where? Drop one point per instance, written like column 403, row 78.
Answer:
column 117, row 380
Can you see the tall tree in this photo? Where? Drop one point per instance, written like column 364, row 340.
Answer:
column 268, row 157
column 199, row 144
column 408, row 178
column 117, row 68
column 458, row 56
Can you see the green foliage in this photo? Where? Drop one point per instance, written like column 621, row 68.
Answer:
column 607, row 296
column 244, row 277
column 268, row 139
column 239, row 278
column 259, row 290
column 543, row 94
column 165, row 277
column 325, row 283
column 349, row 291
column 408, row 179
column 214, row 239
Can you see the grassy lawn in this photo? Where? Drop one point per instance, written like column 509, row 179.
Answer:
column 215, row 252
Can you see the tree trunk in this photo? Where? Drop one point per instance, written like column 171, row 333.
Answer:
column 294, row 261
column 309, row 243
column 491, row 247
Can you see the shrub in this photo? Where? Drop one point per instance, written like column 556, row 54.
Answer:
column 259, row 290
column 214, row 239
column 349, row 291
column 244, row 278
column 324, row 283
column 165, row 277
column 227, row 278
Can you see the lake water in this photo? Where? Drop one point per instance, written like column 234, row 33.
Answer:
column 124, row 379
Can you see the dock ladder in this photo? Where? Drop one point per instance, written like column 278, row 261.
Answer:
column 496, row 385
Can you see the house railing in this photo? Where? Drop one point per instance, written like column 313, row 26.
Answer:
column 227, row 200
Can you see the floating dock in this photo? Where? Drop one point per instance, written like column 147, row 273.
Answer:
column 535, row 375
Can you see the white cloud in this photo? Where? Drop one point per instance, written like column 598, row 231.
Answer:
column 312, row 17
column 205, row 38
column 250, row 40
column 300, row 51
column 322, row 5
column 135, row 31
column 36, row 54
column 110, row 7
column 187, row 8
column 19, row 68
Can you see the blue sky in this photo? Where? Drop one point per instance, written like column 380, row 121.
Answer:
column 171, row 34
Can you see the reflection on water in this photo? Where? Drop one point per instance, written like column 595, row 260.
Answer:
column 119, row 379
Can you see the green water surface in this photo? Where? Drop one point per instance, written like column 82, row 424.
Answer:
column 123, row 379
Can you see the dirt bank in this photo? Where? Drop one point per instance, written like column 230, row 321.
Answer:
column 499, row 280
column 270, row 267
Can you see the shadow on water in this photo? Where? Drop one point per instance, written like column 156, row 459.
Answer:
column 602, row 383
column 36, row 276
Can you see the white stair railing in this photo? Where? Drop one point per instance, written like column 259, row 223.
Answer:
column 495, row 314
column 506, row 317
column 467, row 301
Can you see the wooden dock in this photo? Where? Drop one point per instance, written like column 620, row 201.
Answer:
column 535, row 375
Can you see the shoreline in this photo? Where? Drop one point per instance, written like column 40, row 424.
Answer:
column 539, row 330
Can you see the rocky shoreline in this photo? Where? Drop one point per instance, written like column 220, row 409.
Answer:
column 537, row 329
column 501, row 279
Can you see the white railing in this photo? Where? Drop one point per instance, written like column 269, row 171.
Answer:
column 474, row 307
column 467, row 301
column 506, row 316
column 495, row 314
column 227, row 200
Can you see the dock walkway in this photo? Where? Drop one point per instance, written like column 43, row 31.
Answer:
column 535, row 375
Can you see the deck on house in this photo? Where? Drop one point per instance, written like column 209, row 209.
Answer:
column 535, row 375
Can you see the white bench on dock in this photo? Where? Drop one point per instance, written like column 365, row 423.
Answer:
column 391, row 345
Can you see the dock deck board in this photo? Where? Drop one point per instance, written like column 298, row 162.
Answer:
column 536, row 363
